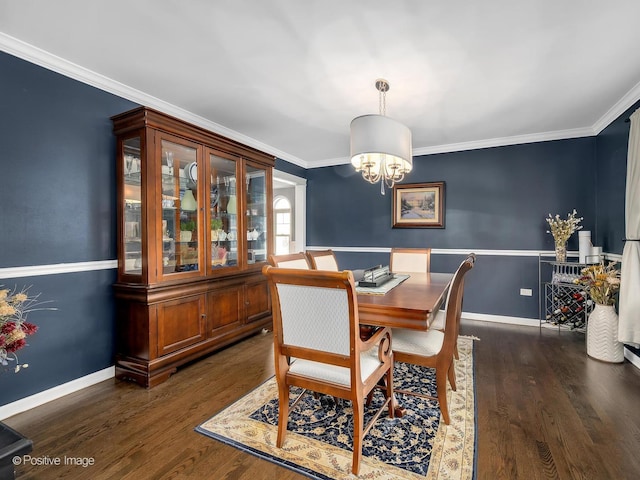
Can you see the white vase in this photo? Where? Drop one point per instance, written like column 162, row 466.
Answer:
column 189, row 203
column 231, row 205
column 602, row 335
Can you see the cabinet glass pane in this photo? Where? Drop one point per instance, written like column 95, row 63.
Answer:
column 223, row 212
column 256, row 185
column 180, row 249
column 132, row 207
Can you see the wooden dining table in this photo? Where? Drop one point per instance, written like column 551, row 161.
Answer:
column 411, row 304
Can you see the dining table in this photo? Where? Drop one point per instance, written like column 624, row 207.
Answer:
column 410, row 304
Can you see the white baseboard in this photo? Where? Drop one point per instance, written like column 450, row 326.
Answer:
column 632, row 357
column 484, row 317
column 533, row 322
column 56, row 392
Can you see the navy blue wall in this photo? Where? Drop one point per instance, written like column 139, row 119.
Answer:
column 612, row 147
column 287, row 167
column 496, row 199
column 58, row 206
column 58, row 193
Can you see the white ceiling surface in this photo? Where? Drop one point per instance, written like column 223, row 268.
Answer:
column 288, row 76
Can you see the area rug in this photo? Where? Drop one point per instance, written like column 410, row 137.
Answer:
column 319, row 438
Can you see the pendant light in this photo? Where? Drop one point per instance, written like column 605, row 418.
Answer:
column 381, row 146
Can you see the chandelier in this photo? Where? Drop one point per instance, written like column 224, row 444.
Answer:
column 381, row 146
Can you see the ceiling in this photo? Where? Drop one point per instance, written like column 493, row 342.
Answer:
column 288, row 76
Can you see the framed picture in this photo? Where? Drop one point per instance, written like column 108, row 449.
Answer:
column 418, row 205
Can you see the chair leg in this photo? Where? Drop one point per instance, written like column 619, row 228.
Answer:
column 441, row 385
column 358, row 427
column 390, row 394
column 452, row 376
column 283, row 413
column 369, row 398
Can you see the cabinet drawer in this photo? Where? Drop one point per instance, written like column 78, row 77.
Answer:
column 180, row 323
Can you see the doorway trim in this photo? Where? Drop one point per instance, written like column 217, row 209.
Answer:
column 299, row 207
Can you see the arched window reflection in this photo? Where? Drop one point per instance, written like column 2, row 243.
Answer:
column 282, row 212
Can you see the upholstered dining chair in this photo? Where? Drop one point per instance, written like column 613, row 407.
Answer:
column 323, row 260
column 315, row 324
column 416, row 260
column 291, row 260
column 438, row 323
column 435, row 348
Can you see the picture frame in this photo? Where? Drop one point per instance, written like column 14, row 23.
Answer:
column 418, row 205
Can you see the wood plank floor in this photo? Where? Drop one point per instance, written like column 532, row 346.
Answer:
column 545, row 411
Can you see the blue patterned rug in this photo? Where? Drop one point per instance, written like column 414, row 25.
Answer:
column 319, row 438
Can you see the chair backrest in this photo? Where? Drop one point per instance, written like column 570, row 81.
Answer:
column 323, row 260
column 417, row 260
column 315, row 314
column 292, row 260
column 454, row 303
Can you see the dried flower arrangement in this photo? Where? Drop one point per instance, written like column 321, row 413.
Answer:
column 601, row 282
column 14, row 328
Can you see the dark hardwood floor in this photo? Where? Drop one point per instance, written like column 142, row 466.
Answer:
column 545, row 411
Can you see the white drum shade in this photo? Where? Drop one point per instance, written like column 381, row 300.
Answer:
column 375, row 138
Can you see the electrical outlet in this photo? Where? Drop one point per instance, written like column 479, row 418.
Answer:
column 526, row 292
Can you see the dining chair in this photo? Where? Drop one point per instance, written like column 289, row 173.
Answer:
column 416, row 260
column 435, row 348
column 438, row 323
column 317, row 346
column 290, row 260
column 323, row 260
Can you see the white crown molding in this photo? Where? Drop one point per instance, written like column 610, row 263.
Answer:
column 618, row 109
column 506, row 141
column 69, row 69
column 57, row 64
column 479, row 144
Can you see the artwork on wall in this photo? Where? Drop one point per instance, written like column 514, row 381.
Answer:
column 418, row 205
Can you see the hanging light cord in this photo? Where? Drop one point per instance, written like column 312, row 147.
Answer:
column 383, row 88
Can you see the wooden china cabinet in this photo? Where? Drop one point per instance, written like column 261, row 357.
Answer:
column 194, row 230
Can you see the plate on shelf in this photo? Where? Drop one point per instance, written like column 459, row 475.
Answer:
column 231, row 235
column 191, row 171
column 214, row 197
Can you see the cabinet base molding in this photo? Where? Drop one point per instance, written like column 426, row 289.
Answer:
column 149, row 373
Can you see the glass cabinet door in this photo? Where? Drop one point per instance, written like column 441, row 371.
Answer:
column 180, row 247
column 223, row 211
column 132, row 228
column 256, row 213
